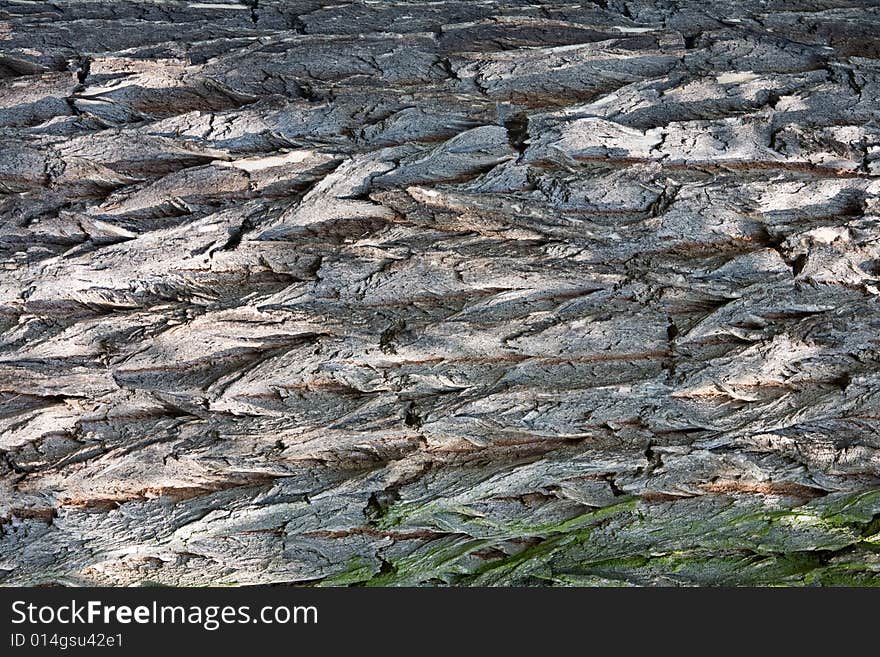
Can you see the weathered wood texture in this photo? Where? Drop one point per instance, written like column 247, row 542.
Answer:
column 450, row 292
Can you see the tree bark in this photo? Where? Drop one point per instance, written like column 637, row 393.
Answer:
column 494, row 293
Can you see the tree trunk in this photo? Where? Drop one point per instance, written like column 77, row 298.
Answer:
column 447, row 293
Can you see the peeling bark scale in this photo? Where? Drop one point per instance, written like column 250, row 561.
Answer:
column 473, row 293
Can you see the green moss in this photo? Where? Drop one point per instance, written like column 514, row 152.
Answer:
column 721, row 540
column 436, row 560
column 358, row 570
column 404, row 512
column 848, row 508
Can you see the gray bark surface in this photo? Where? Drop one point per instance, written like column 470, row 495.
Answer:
column 498, row 293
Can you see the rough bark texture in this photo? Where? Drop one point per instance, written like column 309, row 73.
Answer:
column 450, row 292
